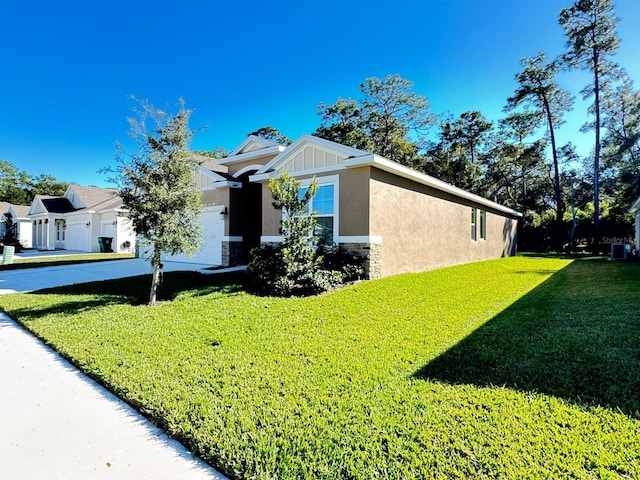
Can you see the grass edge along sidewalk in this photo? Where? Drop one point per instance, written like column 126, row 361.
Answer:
column 468, row 371
column 60, row 260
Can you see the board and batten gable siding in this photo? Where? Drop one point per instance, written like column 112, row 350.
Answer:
column 423, row 228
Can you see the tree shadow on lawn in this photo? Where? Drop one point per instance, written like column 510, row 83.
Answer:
column 135, row 291
column 576, row 336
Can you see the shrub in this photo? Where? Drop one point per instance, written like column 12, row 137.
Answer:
column 274, row 271
column 296, row 267
column 10, row 238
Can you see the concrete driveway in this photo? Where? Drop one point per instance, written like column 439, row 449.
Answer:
column 55, row 422
column 29, row 279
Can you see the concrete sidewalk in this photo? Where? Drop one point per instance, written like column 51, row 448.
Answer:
column 56, row 423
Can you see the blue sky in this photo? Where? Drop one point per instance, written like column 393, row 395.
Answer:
column 67, row 68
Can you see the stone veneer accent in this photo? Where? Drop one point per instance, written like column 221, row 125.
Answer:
column 372, row 254
column 231, row 253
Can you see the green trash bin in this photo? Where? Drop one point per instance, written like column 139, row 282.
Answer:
column 108, row 242
column 105, row 244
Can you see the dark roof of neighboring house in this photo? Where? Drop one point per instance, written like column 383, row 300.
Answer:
column 57, row 205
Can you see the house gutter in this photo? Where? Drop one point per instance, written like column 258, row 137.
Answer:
column 382, row 163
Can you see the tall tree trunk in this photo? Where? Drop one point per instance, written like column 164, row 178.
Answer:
column 557, row 240
column 155, row 278
column 596, row 160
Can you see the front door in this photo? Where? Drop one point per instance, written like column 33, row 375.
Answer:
column 61, row 231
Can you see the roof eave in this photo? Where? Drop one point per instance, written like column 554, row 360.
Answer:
column 243, row 157
column 392, row 167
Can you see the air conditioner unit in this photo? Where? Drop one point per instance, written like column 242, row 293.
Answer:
column 620, row 251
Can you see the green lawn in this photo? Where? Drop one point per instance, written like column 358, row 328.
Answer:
column 514, row 368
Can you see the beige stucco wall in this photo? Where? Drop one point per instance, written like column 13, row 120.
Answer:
column 354, row 212
column 270, row 216
column 423, row 229
column 353, row 194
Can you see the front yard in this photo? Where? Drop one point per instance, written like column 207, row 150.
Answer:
column 513, row 368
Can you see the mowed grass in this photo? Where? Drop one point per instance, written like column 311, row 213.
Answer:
column 513, row 368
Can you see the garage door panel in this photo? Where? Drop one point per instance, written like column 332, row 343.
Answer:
column 211, row 251
column 77, row 237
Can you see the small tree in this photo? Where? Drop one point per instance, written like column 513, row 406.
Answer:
column 287, row 268
column 157, row 184
column 296, row 227
column 296, row 266
column 10, row 232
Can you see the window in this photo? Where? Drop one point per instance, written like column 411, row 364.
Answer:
column 60, row 230
column 483, row 225
column 323, row 205
column 473, row 224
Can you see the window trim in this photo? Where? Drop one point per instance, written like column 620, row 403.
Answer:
column 328, row 180
column 483, row 224
column 474, row 224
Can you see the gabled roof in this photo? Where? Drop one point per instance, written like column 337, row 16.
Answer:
column 251, row 144
column 635, row 207
column 4, row 207
column 89, row 197
column 211, row 164
column 20, row 211
column 302, row 155
column 57, row 205
column 312, row 155
column 252, row 148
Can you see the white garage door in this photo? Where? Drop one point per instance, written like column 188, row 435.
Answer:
column 78, row 237
column 212, row 232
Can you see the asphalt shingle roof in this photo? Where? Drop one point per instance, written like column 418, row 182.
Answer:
column 57, row 205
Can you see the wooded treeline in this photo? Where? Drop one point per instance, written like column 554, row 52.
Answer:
column 567, row 201
column 20, row 188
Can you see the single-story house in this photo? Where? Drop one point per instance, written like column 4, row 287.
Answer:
column 4, row 209
column 635, row 210
column 399, row 219
column 20, row 217
column 76, row 220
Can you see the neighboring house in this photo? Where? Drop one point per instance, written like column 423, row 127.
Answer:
column 635, row 210
column 399, row 219
column 76, row 220
column 4, row 209
column 24, row 231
